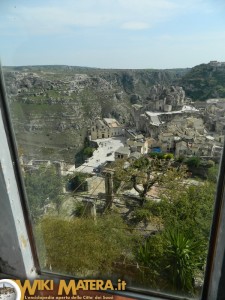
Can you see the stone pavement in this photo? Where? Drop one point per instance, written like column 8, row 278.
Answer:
column 104, row 153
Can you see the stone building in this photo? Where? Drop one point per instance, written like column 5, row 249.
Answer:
column 152, row 123
column 167, row 141
column 106, row 128
column 163, row 104
column 140, row 146
column 136, row 141
column 193, row 148
column 166, row 98
column 122, row 153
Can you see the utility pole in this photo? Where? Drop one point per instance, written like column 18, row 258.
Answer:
column 108, row 189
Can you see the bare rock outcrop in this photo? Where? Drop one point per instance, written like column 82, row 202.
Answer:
column 173, row 96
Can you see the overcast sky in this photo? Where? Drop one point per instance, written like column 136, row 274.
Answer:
column 112, row 33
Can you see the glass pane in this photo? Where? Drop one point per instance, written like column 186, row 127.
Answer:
column 120, row 162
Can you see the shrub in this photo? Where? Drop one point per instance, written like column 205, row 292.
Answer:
column 156, row 155
column 88, row 151
column 77, row 182
column 193, row 161
column 168, row 156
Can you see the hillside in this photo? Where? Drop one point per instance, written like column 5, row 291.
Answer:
column 52, row 106
column 205, row 81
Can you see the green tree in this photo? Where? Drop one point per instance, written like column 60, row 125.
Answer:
column 193, row 161
column 189, row 207
column 143, row 174
column 77, row 181
column 43, row 187
column 184, row 215
column 170, row 186
column 88, row 151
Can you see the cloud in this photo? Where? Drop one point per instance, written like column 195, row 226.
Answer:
column 135, row 25
column 46, row 17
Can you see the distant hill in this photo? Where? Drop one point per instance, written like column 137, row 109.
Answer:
column 52, row 106
column 205, row 81
column 200, row 82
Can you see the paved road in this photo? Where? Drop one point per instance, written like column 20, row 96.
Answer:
column 105, row 152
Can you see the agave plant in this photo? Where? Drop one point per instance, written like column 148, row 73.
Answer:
column 183, row 259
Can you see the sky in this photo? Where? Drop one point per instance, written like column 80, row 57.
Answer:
column 125, row 34
column 5, row 284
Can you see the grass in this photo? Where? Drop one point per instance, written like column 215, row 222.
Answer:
column 23, row 110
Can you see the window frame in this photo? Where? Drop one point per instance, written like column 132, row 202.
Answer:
column 9, row 144
column 215, row 269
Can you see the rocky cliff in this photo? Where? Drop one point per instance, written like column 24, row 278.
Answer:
column 171, row 95
column 52, row 106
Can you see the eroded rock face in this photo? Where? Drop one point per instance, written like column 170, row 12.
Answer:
column 53, row 106
column 52, row 113
column 167, row 95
